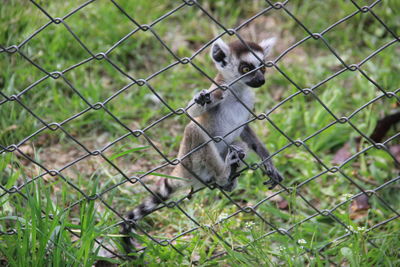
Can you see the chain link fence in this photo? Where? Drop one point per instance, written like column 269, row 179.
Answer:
column 270, row 7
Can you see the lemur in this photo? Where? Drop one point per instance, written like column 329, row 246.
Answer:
column 220, row 113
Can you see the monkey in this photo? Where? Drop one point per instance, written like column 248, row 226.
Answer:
column 217, row 112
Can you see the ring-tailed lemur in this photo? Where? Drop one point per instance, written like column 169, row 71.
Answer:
column 219, row 112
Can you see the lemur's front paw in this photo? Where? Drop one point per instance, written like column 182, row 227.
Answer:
column 274, row 175
column 235, row 154
column 233, row 158
column 203, row 98
column 240, row 151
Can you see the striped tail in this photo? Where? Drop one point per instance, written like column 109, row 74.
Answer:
column 162, row 192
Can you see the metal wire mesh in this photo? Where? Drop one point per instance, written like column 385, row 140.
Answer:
column 252, row 209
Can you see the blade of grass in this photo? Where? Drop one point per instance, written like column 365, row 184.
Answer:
column 128, row 151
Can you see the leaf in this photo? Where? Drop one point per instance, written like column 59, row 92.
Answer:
column 128, row 151
column 359, row 207
column 346, row 252
column 342, row 154
column 395, row 150
column 283, row 205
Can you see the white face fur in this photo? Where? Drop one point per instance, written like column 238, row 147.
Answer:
column 234, row 60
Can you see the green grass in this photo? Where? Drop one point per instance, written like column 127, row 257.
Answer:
column 49, row 214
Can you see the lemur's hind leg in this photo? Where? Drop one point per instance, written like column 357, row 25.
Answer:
column 206, row 159
column 236, row 152
column 249, row 136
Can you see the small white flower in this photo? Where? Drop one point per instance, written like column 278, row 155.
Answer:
column 350, row 228
column 347, row 195
column 281, row 248
column 361, row 229
column 302, row 241
column 249, row 225
column 222, row 216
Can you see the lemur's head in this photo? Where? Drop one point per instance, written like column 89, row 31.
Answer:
column 235, row 59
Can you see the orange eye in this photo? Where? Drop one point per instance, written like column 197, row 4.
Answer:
column 262, row 69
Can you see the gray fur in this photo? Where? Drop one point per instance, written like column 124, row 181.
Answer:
column 218, row 112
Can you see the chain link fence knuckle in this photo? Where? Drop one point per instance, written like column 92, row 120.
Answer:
column 326, row 212
column 370, row 192
column 365, row 9
column 12, row 190
column 248, row 209
column 175, row 162
column 254, row 166
column 269, row 64
column 343, row 120
column 231, row 32
column 277, row 5
column 171, row 204
column 164, row 243
column 316, row 36
column 98, row 106
column 190, row 2
column 11, row 148
column 58, row 20
column 185, row 60
column 13, row 98
column 12, row 49
column 261, row 116
column 145, row 27
column 353, row 67
column 298, row 143
column 133, row 180
column 54, row 126
column 380, row 146
column 56, row 74
column 179, row 111
column 141, row 82
column 334, row 169
column 217, row 139
column 95, row 153
column 137, row 133
column 306, row 91
column 224, row 87
column 283, row 231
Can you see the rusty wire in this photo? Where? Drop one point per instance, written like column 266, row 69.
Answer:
column 269, row 7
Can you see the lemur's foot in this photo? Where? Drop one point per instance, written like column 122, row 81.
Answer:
column 274, row 175
column 236, row 153
column 230, row 186
column 203, row 98
column 234, row 157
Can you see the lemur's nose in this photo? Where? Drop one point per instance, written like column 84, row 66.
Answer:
column 259, row 78
column 257, row 81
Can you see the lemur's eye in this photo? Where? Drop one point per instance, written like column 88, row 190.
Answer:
column 262, row 69
column 245, row 67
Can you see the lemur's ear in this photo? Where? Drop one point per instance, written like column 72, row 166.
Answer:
column 220, row 52
column 267, row 45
